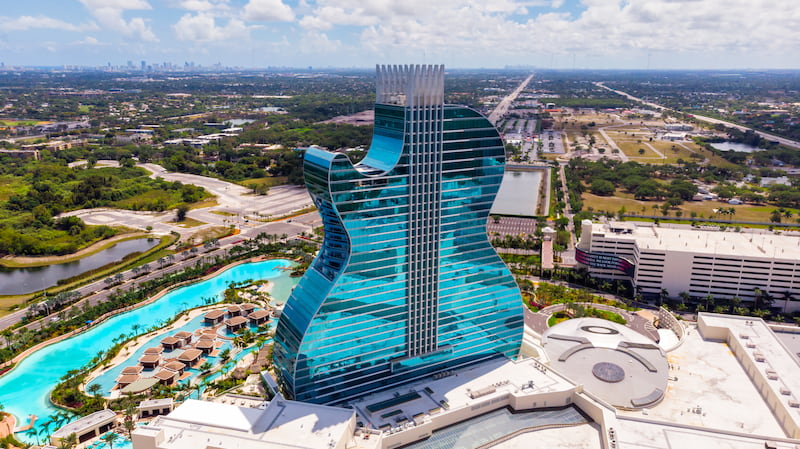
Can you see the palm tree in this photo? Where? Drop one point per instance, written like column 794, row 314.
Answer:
column 708, row 301
column 129, row 426
column 762, row 299
column 110, row 438
column 68, row 442
column 45, row 430
column 94, row 390
column 7, row 334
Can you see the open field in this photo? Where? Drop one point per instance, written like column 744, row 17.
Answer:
column 703, row 209
column 11, row 185
column 188, row 222
column 215, row 232
column 9, row 122
column 268, row 181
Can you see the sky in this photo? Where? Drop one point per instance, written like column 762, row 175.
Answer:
column 566, row 34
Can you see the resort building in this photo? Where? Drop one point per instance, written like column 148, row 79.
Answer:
column 150, row 361
column 86, row 428
column 214, row 317
column 205, row 344
column 701, row 262
column 406, row 283
column 258, row 317
column 190, row 356
column 236, row 323
column 171, row 343
column 155, row 407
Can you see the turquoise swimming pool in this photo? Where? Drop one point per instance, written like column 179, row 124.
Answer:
column 25, row 390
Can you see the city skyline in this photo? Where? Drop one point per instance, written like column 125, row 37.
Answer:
column 595, row 34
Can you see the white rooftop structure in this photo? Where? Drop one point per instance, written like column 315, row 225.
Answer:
column 617, row 363
column 698, row 261
column 282, row 424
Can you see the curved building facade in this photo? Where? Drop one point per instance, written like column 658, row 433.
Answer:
column 406, row 284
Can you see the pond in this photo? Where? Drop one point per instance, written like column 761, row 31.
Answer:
column 519, row 193
column 26, row 389
column 19, row 281
column 735, row 146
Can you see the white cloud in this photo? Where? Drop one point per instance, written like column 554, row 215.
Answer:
column 90, row 40
column 42, row 22
column 489, row 32
column 267, row 11
column 203, row 28
column 110, row 15
column 318, row 43
column 217, row 6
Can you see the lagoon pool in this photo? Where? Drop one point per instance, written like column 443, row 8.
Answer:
column 108, row 379
column 25, row 390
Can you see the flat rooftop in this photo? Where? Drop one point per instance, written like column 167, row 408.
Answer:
column 460, row 389
column 709, row 388
column 730, row 243
column 772, row 358
column 283, row 424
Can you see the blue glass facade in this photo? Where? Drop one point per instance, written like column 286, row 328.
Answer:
column 406, row 283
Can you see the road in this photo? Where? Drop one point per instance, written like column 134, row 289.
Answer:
column 502, row 108
column 702, row 118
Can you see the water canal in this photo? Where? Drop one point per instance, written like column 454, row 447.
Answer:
column 19, row 281
column 25, row 390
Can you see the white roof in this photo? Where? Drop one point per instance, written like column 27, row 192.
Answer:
column 283, row 424
column 737, row 244
column 92, row 421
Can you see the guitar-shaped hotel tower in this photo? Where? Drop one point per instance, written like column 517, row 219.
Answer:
column 406, row 284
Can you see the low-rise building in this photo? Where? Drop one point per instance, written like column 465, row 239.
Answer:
column 86, row 428
column 283, row 423
column 699, row 262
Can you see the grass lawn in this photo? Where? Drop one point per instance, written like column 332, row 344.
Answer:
column 703, row 209
column 11, row 185
column 208, row 202
column 7, row 122
column 85, row 108
column 187, row 222
column 215, row 232
column 269, row 181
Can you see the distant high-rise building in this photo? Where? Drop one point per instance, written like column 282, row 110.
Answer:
column 406, row 283
column 144, row 65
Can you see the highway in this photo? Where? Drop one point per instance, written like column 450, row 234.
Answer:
column 502, row 108
column 702, row 118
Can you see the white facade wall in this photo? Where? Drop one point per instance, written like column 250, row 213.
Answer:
column 678, row 267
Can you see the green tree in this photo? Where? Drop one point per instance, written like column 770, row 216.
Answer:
column 180, row 212
column 110, row 438
column 602, row 187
